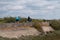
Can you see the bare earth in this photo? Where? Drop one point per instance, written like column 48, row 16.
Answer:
column 18, row 32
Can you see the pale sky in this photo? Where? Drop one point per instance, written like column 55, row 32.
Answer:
column 41, row 9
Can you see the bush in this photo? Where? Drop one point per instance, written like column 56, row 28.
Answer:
column 9, row 19
column 37, row 26
column 55, row 24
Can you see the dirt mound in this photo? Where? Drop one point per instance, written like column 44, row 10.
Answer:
column 18, row 32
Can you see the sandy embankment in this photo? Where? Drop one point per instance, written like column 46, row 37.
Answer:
column 19, row 32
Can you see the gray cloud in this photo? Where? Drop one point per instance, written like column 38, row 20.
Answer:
column 47, row 9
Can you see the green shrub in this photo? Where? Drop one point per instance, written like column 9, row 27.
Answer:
column 37, row 26
column 55, row 24
column 9, row 19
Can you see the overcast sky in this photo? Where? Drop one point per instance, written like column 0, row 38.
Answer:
column 42, row 9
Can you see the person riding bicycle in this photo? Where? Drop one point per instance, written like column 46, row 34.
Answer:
column 17, row 19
